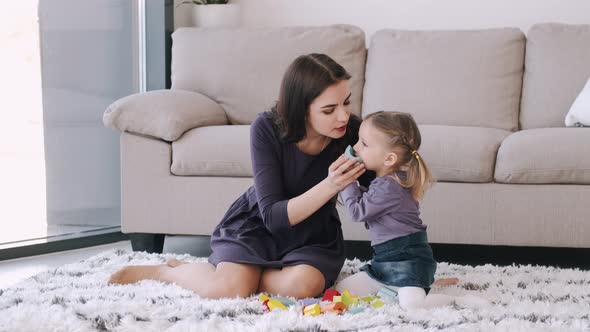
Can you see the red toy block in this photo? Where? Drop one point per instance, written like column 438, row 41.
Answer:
column 329, row 295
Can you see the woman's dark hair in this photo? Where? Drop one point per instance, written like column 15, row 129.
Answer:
column 305, row 79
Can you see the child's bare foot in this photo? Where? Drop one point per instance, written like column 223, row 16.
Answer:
column 443, row 282
column 135, row 273
column 173, row 262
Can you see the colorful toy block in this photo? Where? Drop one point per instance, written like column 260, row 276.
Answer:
column 348, row 299
column 276, row 304
column 377, row 303
column 263, row 297
column 335, row 307
column 306, row 302
column 312, row 310
column 337, row 298
column 285, row 300
column 387, row 293
column 329, row 295
column 356, row 310
column 368, row 299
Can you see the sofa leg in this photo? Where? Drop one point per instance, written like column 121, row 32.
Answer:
column 151, row 243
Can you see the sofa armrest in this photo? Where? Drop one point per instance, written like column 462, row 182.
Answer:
column 165, row 114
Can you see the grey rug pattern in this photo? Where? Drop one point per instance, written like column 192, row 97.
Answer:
column 76, row 297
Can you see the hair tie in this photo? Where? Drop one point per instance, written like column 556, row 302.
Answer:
column 415, row 154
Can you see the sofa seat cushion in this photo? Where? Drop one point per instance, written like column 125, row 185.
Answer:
column 461, row 154
column 213, row 151
column 545, row 155
column 454, row 154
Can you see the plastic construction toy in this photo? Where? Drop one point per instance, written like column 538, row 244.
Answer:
column 349, row 153
column 332, row 302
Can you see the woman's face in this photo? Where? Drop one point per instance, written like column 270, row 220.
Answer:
column 330, row 111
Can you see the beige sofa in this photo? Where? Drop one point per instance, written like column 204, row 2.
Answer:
column 490, row 105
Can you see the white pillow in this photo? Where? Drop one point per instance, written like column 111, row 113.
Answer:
column 579, row 113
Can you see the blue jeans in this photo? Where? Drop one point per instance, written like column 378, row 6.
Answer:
column 403, row 262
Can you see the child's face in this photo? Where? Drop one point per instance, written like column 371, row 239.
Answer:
column 373, row 149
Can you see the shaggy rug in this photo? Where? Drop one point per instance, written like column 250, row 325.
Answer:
column 76, row 297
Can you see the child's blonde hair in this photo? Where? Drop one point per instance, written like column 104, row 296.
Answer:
column 405, row 140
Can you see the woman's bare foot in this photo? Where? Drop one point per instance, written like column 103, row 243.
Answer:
column 443, row 282
column 135, row 273
column 173, row 262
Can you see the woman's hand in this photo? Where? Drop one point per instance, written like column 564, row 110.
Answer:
column 343, row 172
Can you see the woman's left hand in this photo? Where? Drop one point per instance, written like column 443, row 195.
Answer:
column 344, row 171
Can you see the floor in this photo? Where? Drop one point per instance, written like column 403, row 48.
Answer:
column 13, row 271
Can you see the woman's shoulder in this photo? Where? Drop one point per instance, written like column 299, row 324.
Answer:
column 263, row 128
column 263, row 119
column 264, row 123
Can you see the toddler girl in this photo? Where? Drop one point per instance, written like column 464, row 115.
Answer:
column 403, row 261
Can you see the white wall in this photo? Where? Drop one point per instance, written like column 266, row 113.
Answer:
column 372, row 15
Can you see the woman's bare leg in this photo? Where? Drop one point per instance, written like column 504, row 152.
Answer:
column 299, row 281
column 225, row 280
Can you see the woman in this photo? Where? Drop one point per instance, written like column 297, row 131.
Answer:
column 283, row 236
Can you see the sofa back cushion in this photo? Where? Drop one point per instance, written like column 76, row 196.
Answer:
column 242, row 69
column 459, row 78
column 557, row 65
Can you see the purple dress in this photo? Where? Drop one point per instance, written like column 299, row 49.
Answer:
column 256, row 230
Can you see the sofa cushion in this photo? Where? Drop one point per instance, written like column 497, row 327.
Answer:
column 213, row 151
column 164, row 114
column 247, row 65
column 458, row 78
column 556, row 67
column 458, row 154
column 461, row 154
column 545, row 155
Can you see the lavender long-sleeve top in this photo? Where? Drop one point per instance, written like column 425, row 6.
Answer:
column 388, row 210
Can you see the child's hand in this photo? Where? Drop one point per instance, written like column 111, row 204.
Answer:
column 344, row 171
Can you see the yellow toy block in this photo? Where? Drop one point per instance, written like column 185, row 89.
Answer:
column 348, row 299
column 368, row 299
column 377, row 304
column 337, row 299
column 275, row 304
column 263, row 297
column 313, row 310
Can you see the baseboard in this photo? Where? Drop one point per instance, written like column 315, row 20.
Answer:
column 61, row 243
column 463, row 254
column 467, row 254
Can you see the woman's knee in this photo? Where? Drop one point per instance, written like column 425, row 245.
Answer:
column 305, row 281
column 234, row 280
